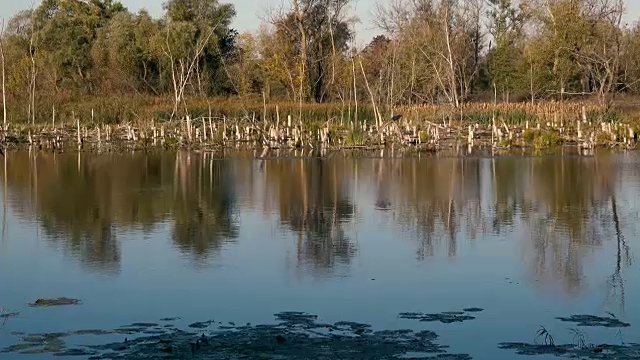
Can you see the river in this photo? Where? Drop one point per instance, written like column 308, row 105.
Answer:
column 139, row 237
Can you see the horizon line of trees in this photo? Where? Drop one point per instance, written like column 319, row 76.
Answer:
column 428, row 51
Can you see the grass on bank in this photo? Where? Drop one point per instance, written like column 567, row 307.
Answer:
column 541, row 125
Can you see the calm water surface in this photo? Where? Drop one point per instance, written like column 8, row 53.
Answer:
column 139, row 237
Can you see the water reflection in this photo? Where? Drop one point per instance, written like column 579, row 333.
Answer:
column 80, row 200
column 437, row 199
column 312, row 197
column 569, row 201
column 558, row 209
column 203, row 206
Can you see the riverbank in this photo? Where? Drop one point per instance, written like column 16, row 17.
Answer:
column 539, row 128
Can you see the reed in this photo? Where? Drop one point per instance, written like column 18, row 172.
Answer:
column 143, row 122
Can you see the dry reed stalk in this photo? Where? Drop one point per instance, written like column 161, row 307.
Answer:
column 78, row 131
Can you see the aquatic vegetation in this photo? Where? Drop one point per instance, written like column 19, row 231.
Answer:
column 5, row 315
column 594, row 321
column 447, row 317
column 620, row 352
column 202, row 325
column 580, row 346
column 547, row 338
column 603, row 138
column 580, row 338
column 547, row 139
column 144, row 123
column 55, row 302
column 424, row 136
column 296, row 336
column 473, row 309
column 294, row 318
column 529, row 135
column 355, row 138
column 542, row 139
column 170, row 319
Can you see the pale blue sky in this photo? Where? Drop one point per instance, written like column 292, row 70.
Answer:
column 250, row 12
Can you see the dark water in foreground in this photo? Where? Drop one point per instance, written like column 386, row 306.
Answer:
column 141, row 237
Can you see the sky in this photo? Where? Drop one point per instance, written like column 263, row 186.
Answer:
column 250, row 12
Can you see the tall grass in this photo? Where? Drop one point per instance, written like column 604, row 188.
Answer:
column 119, row 109
column 141, row 109
column 141, row 119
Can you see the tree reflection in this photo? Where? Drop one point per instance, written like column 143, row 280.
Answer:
column 313, row 202
column 561, row 208
column 204, row 212
column 556, row 204
column 436, row 198
column 81, row 200
column 623, row 260
column 569, row 199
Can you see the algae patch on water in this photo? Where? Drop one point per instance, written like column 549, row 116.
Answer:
column 295, row 335
column 620, row 352
column 579, row 348
column 473, row 310
column 55, row 302
column 594, row 321
column 7, row 315
column 446, row 317
column 202, row 324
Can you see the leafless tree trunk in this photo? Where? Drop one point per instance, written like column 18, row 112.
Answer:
column 602, row 58
column 452, row 71
column 376, row 112
column 392, row 80
column 355, row 87
column 300, row 12
column 4, row 90
column 32, row 50
column 182, row 68
column 445, row 48
column 532, row 92
column 616, row 281
column 333, row 48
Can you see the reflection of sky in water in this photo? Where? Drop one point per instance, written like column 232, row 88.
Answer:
column 343, row 258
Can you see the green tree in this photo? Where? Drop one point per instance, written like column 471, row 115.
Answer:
column 195, row 21
column 124, row 55
column 505, row 57
column 67, row 30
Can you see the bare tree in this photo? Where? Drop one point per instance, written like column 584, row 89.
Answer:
column 394, row 17
column 34, row 70
column 4, row 90
column 451, row 77
column 601, row 56
column 301, row 8
column 436, row 46
column 183, row 64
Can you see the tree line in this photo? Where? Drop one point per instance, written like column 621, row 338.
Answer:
column 428, row 52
